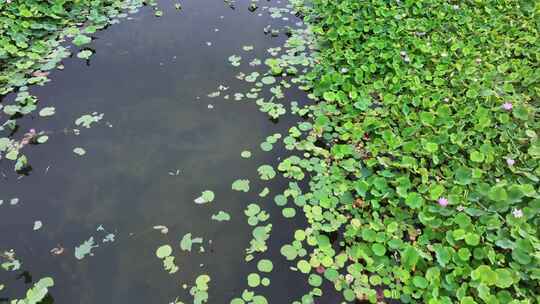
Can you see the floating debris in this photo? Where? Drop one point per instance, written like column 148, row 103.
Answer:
column 37, row 225
column 163, row 229
column 174, row 173
column 58, row 250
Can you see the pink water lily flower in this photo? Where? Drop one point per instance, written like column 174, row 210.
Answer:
column 510, row 162
column 443, row 201
column 517, row 213
column 507, row 106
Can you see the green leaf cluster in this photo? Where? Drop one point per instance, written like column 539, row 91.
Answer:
column 422, row 151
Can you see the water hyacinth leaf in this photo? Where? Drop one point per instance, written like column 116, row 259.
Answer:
column 414, row 200
column 240, row 185
column 378, row 249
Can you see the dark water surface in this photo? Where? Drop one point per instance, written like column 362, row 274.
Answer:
column 150, row 77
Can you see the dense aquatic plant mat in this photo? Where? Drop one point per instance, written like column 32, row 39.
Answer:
column 33, row 37
column 424, row 187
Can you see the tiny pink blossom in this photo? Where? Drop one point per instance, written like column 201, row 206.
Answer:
column 320, row 269
column 443, row 201
column 517, row 213
column 510, row 162
column 507, row 106
column 25, row 141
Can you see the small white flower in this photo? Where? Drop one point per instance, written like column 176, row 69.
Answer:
column 517, row 213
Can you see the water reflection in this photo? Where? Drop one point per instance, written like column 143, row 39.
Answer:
column 150, row 76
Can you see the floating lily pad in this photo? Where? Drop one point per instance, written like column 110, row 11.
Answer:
column 266, row 172
column 207, row 196
column 268, row 80
column 245, row 154
column 85, row 249
column 164, row 251
column 288, row 212
column 85, row 54
column 87, row 120
column 265, row 265
column 235, row 60
column 187, row 242
column 264, row 192
column 241, row 185
column 253, row 280
column 79, row 151
column 81, row 40
column 47, row 111
column 221, row 216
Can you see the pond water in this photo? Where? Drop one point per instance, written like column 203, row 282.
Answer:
column 161, row 142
